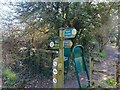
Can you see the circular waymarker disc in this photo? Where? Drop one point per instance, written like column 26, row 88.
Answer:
column 54, row 71
column 74, row 31
column 54, row 64
column 54, row 80
column 51, row 44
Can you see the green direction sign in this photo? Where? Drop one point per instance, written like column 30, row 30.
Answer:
column 68, row 43
column 55, row 44
column 66, row 57
column 70, row 33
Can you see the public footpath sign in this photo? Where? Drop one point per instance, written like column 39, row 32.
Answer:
column 55, row 44
column 67, row 43
column 70, row 33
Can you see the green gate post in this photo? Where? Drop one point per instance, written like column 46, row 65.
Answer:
column 80, row 66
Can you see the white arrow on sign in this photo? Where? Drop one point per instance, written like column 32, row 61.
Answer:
column 54, row 80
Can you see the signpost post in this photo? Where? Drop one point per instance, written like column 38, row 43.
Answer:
column 61, row 60
column 58, row 63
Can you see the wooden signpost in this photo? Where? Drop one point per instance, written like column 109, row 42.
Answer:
column 58, row 63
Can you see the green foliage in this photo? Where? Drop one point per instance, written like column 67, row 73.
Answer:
column 10, row 77
column 102, row 54
column 89, row 19
column 38, row 61
column 109, row 82
column 112, row 39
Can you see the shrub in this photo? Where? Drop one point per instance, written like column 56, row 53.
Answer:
column 110, row 83
column 102, row 54
column 9, row 76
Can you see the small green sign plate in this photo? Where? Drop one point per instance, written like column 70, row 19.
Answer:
column 70, row 33
column 68, row 43
column 55, row 44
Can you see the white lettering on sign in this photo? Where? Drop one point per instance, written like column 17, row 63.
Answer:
column 70, row 33
column 54, row 71
column 65, row 58
column 54, row 80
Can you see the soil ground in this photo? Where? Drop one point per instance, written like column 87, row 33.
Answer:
column 105, row 66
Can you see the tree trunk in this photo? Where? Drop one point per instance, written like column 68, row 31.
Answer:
column 117, row 72
column 118, row 43
column 101, row 46
column 118, row 39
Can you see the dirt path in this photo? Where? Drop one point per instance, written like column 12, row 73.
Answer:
column 112, row 52
column 106, row 66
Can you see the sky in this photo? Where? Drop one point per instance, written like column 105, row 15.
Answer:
column 6, row 12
